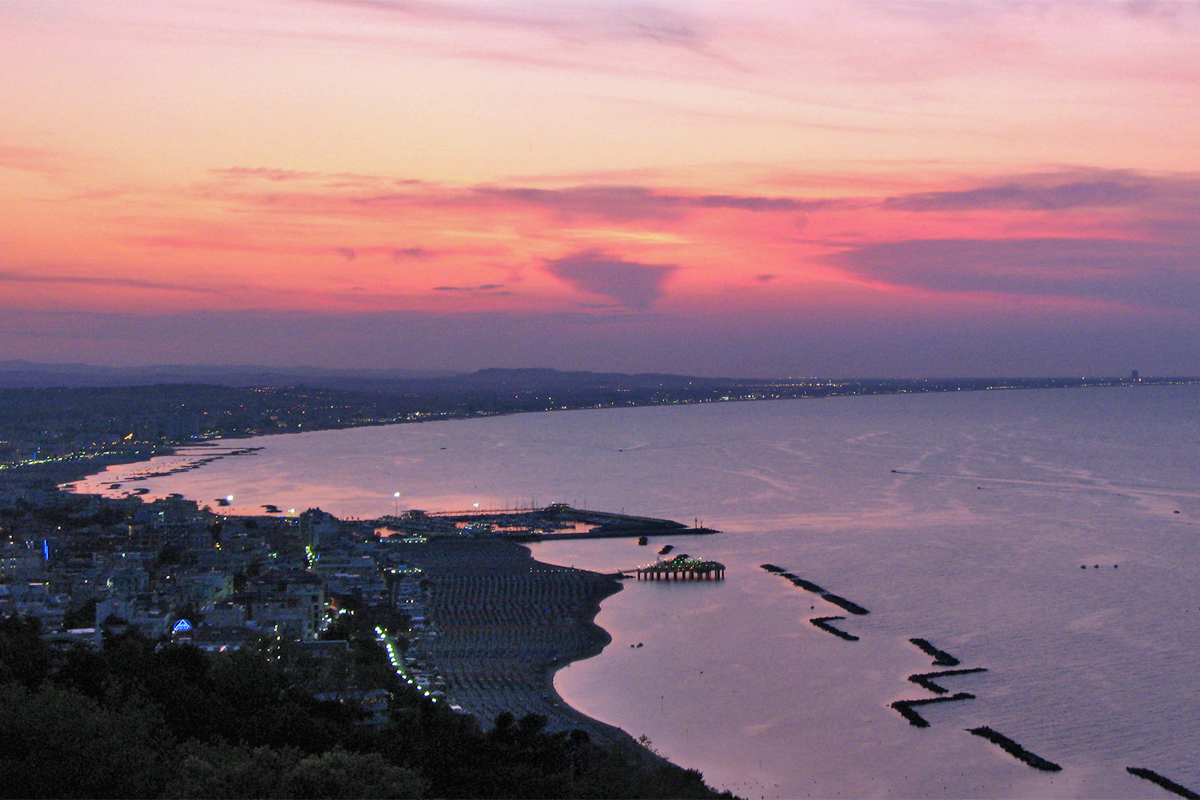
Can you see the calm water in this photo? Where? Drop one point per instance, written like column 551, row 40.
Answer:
column 960, row 518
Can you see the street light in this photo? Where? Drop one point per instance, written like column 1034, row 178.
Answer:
column 397, row 496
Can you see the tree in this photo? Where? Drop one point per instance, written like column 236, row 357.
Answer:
column 59, row 743
column 24, row 657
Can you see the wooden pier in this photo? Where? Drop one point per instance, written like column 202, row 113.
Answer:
column 682, row 568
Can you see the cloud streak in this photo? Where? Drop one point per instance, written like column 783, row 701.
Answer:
column 10, row 276
column 486, row 288
column 1125, row 272
column 622, row 203
column 1077, row 194
column 573, row 21
column 31, row 159
column 630, row 203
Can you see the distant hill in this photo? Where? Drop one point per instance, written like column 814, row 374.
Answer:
column 487, row 382
column 496, row 382
column 501, row 389
column 30, row 375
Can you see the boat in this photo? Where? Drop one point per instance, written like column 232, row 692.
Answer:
column 666, row 548
column 642, row 540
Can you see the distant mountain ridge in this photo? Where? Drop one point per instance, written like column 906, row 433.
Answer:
column 19, row 374
column 496, row 383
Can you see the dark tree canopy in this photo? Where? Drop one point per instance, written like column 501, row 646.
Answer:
column 140, row 718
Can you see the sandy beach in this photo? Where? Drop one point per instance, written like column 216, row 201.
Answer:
column 503, row 624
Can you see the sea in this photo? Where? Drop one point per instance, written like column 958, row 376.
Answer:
column 1049, row 540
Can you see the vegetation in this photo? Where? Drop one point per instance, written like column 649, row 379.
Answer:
column 139, row 718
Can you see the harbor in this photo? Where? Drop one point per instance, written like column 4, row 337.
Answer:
column 555, row 522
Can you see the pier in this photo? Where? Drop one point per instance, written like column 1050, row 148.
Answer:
column 682, row 568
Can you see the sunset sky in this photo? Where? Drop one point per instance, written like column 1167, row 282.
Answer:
column 751, row 188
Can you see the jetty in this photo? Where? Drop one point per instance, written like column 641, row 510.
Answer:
column 681, row 568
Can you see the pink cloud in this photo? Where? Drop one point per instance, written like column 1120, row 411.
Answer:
column 633, row 284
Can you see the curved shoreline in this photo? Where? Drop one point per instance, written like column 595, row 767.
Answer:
column 602, row 639
column 506, row 624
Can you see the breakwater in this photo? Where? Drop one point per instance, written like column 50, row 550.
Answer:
column 940, row 657
column 905, row 707
column 1015, row 750
column 849, row 605
column 823, row 624
column 909, row 709
column 925, row 679
column 1164, row 782
column 809, row 586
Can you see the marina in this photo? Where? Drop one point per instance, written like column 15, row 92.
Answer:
column 555, row 522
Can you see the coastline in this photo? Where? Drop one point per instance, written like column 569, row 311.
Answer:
column 77, row 469
column 529, row 679
column 79, row 466
column 1031, row 576
column 519, row 676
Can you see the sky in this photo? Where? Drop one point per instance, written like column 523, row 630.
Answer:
column 745, row 189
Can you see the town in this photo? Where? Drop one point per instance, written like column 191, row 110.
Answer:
column 86, row 567
column 347, row 635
